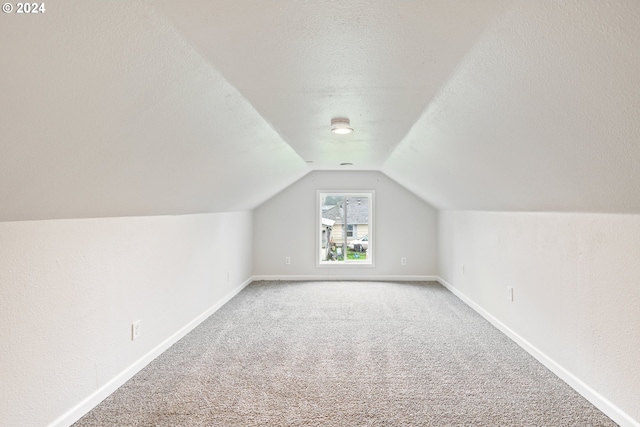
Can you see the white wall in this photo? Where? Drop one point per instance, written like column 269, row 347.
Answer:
column 576, row 291
column 405, row 226
column 69, row 290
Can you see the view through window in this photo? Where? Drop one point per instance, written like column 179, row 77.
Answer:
column 346, row 227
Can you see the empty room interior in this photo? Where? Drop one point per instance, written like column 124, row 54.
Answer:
column 160, row 160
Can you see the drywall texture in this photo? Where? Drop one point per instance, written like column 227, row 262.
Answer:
column 70, row 289
column 285, row 226
column 541, row 115
column 303, row 62
column 575, row 281
column 131, row 120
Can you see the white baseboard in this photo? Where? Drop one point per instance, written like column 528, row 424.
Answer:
column 599, row 401
column 75, row 413
column 326, row 277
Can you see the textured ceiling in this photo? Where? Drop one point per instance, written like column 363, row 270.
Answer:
column 543, row 114
column 163, row 107
column 303, row 62
column 107, row 111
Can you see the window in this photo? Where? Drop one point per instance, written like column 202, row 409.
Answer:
column 345, row 228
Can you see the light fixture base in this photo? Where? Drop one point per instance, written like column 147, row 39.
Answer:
column 341, row 126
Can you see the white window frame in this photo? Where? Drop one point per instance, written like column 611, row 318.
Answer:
column 370, row 261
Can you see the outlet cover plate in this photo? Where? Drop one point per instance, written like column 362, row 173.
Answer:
column 135, row 329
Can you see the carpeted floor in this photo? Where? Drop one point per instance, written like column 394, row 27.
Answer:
column 345, row 354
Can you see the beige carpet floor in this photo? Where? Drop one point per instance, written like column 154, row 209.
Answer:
column 345, row 354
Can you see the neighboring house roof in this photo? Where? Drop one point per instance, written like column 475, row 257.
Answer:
column 357, row 213
column 334, row 213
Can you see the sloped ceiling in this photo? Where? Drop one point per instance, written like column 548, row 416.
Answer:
column 163, row 107
column 301, row 63
column 106, row 111
column 543, row 114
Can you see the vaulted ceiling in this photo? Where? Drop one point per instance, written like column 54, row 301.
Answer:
column 163, row 107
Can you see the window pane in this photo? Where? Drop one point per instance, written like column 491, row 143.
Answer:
column 345, row 228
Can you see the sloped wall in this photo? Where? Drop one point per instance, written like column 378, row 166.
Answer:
column 132, row 121
column 541, row 115
column 70, row 289
column 575, row 286
column 405, row 226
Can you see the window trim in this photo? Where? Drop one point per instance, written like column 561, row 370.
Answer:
column 370, row 262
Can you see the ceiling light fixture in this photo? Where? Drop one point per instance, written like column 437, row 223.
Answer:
column 341, row 126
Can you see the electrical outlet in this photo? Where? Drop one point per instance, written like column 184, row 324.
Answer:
column 403, row 260
column 287, row 260
column 510, row 293
column 463, row 269
column 135, row 329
